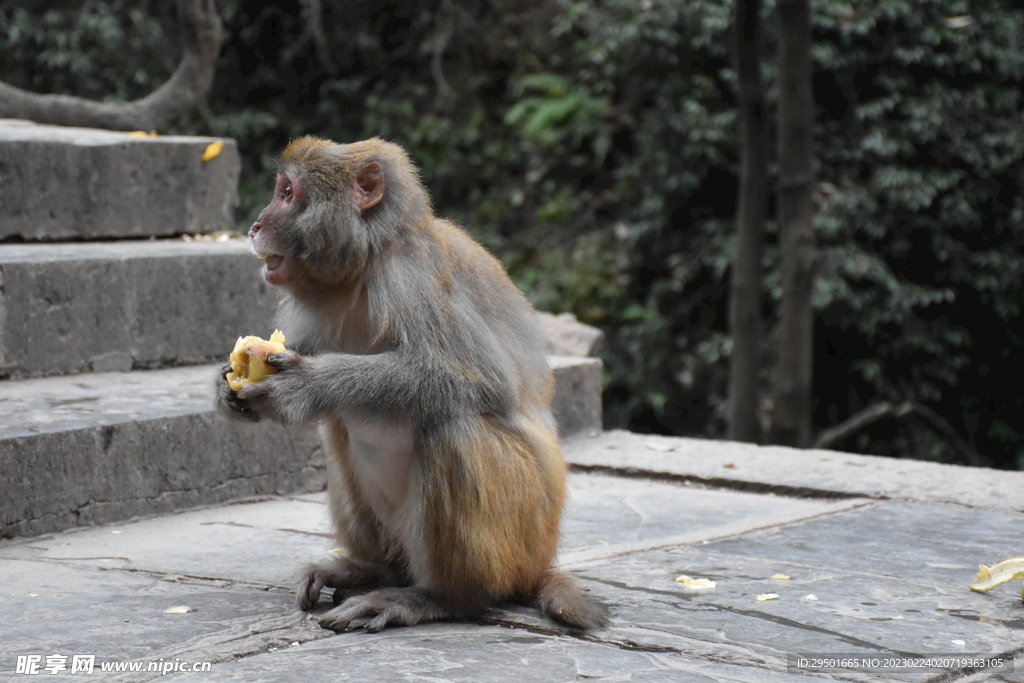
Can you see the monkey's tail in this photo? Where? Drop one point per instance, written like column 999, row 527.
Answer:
column 560, row 598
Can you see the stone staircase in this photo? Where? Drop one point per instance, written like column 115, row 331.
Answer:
column 121, row 293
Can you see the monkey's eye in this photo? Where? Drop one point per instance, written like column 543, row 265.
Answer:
column 286, row 192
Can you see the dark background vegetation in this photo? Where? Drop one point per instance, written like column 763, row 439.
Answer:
column 593, row 147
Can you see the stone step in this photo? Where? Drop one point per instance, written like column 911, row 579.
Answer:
column 132, row 304
column 101, row 447
column 63, row 183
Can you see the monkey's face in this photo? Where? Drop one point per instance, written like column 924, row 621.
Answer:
column 326, row 221
column 269, row 235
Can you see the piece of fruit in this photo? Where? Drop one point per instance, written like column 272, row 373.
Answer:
column 249, row 359
column 696, row 584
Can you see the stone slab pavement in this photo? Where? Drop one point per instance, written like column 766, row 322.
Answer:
column 878, row 555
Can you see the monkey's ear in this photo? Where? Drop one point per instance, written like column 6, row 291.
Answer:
column 368, row 187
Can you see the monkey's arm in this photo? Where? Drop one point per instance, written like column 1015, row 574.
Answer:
column 393, row 383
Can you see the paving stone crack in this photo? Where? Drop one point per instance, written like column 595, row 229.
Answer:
column 172, row 577
column 194, row 580
column 736, row 559
column 588, row 555
column 252, row 644
column 723, row 483
column 757, row 614
column 633, row 646
column 783, row 621
column 301, row 532
column 549, row 631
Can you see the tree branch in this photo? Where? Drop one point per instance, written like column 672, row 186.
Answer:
column 190, row 82
column 907, row 409
column 854, row 424
column 314, row 30
column 441, row 39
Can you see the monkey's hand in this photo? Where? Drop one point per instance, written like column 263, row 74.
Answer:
column 228, row 402
column 344, row 574
column 284, row 396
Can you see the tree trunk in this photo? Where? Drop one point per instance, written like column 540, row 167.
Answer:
column 745, row 292
column 201, row 36
column 791, row 420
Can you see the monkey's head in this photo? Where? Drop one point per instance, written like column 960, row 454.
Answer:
column 336, row 208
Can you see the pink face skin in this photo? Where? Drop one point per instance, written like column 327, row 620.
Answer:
column 264, row 233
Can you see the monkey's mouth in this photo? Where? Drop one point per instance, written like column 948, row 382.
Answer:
column 274, row 273
column 273, row 260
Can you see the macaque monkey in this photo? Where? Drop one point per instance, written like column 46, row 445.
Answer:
column 425, row 368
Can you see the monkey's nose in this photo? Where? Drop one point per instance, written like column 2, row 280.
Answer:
column 254, row 229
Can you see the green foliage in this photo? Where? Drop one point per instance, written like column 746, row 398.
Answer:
column 556, row 114
column 921, row 215
column 592, row 145
column 67, row 49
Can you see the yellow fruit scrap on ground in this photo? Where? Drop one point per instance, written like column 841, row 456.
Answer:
column 696, row 584
column 249, row 359
column 1005, row 570
column 180, row 609
column 212, row 150
column 143, row 134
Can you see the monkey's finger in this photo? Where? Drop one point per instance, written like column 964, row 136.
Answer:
column 378, row 623
column 283, row 360
column 264, row 397
column 352, row 609
column 309, row 590
column 334, row 619
column 253, row 393
column 241, row 409
column 250, row 415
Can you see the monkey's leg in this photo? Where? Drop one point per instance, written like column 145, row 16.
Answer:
column 365, row 564
column 342, row 574
column 386, row 607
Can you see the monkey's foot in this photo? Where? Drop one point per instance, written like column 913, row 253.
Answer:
column 384, row 607
column 344, row 574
